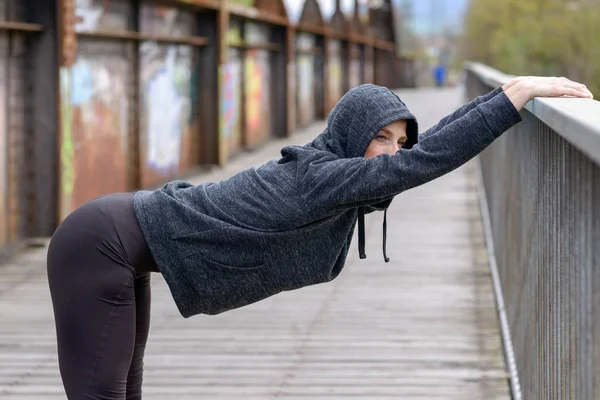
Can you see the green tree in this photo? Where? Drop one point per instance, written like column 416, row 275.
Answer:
column 536, row 37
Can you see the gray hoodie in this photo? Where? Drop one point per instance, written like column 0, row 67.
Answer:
column 289, row 223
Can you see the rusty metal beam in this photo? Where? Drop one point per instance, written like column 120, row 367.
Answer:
column 129, row 35
column 255, row 14
column 20, row 26
column 258, row 46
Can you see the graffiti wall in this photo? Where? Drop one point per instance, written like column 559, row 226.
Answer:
column 257, row 86
column 247, row 3
column 306, row 89
column 3, row 143
column 95, row 117
column 385, row 71
column 16, row 130
column 167, row 117
column 305, row 69
column 231, row 83
column 291, row 96
column 101, row 15
column 258, row 96
column 232, row 102
column 94, row 106
column 336, row 76
column 166, row 21
column 369, row 67
column 354, row 73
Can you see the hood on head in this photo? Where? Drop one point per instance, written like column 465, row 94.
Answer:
column 352, row 124
column 359, row 116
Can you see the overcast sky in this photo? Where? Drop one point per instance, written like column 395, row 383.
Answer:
column 451, row 14
column 424, row 19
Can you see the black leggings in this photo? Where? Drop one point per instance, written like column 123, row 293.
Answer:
column 99, row 274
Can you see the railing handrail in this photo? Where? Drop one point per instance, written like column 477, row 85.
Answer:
column 576, row 120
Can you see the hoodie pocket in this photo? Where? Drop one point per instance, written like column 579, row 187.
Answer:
column 202, row 259
column 222, row 287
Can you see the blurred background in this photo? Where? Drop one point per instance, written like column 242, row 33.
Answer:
column 519, row 37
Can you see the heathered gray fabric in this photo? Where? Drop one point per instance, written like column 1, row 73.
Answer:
column 289, row 223
column 443, row 122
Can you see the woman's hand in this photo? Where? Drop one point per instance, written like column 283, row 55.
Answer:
column 524, row 88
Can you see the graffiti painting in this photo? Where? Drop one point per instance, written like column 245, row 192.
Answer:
column 255, row 32
column 354, row 71
column 306, row 89
column 258, row 96
column 369, row 68
column 167, row 97
column 247, row 3
column 95, row 115
column 335, row 73
column 101, row 15
column 234, row 33
column 305, row 78
column 17, row 127
column 291, row 93
column 231, row 96
column 232, row 101
column 257, row 86
column 168, row 21
column 3, row 141
column 166, row 116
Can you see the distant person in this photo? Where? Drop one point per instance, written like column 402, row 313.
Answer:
column 440, row 73
column 279, row 227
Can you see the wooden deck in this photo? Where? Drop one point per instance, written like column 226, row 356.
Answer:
column 423, row 326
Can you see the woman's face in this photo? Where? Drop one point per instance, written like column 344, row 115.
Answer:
column 388, row 140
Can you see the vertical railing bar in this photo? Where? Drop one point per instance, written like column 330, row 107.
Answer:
column 500, row 304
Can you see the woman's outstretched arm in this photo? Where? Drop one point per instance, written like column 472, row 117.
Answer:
column 519, row 88
column 460, row 112
column 331, row 184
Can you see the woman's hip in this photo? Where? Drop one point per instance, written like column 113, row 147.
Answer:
column 103, row 231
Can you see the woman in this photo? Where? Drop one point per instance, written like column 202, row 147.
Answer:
column 282, row 226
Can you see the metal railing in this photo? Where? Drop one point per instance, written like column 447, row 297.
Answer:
column 540, row 191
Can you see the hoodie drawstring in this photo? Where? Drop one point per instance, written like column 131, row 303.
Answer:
column 361, row 234
column 385, row 257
